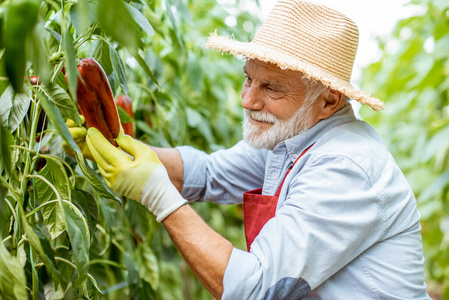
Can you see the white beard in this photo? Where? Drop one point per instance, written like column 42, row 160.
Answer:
column 281, row 130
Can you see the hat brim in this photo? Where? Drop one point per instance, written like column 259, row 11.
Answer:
column 286, row 62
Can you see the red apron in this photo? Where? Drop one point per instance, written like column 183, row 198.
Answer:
column 258, row 208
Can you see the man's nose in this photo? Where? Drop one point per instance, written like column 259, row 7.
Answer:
column 251, row 98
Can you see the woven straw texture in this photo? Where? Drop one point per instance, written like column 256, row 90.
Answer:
column 302, row 36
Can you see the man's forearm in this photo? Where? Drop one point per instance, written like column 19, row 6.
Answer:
column 172, row 161
column 205, row 251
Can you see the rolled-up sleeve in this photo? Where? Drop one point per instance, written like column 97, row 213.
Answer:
column 331, row 214
column 194, row 164
column 222, row 176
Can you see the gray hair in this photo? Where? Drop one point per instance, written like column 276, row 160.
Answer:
column 314, row 89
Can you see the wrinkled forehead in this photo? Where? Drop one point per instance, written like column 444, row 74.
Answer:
column 255, row 63
column 267, row 70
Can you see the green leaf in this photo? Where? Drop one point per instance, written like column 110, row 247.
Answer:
column 38, row 52
column 173, row 21
column 60, row 80
column 88, row 207
column 440, row 47
column 112, row 81
column 97, row 288
column 41, row 245
column 21, row 17
column 140, row 19
column 52, row 171
column 6, row 139
column 195, row 72
column 79, row 238
column 147, row 264
column 101, row 55
column 436, row 187
column 54, row 34
column 196, row 120
column 139, row 289
column 145, row 67
column 109, row 212
column 438, row 141
column 54, row 219
column 138, row 218
column 13, row 108
column 142, row 125
column 70, row 63
column 83, row 14
column 123, row 115
column 12, row 276
column 55, row 117
column 423, row 64
column 93, row 178
column 117, row 21
column 133, row 274
column 183, row 11
column 118, row 68
column 63, row 102
column 5, row 212
column 52, row 213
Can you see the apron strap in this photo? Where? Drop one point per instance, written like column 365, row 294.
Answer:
column 278, row 192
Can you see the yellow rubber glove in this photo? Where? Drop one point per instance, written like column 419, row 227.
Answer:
column 135, row 172
column 79, row 135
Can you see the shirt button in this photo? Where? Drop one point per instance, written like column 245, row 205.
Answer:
column 295, row 156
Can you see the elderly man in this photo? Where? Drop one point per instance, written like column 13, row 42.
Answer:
column 328, row 214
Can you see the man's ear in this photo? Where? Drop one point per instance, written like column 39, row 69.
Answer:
column 330, row 102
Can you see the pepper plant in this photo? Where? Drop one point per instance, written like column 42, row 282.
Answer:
column 64, row 233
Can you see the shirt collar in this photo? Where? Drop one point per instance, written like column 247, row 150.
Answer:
column 297, row 144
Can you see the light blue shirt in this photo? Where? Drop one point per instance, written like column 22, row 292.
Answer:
column 346, row 224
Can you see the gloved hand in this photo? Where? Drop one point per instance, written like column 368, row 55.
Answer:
column 143, row 178
column 79, row 135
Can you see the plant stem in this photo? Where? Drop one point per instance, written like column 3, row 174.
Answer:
column 7, row 239
column 13, row 212
column 66, row 261
column 35, row 113
column 54, row 4
column 118, row 246
column 55, row 74
column 35, row 110
column 34, row 276
column 23, row 148
column 6, row 184
column 84, row 39
column 40, row 207
column 61, row 247
column 106, row 262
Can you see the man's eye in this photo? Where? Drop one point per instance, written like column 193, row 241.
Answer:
column 248, row 81
column 271, row 89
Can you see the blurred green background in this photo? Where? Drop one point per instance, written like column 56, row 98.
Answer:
column 184, row 94
column 412, row 77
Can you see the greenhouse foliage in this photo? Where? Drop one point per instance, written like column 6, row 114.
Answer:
column 66, row 235
column 412, row 77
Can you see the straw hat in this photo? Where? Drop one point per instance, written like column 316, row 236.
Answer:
column 302, row 36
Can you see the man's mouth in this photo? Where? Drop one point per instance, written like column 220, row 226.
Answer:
column 257, row 117
column 259, row 121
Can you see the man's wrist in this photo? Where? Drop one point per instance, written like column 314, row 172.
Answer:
column 171, row 159
column 161, row 196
